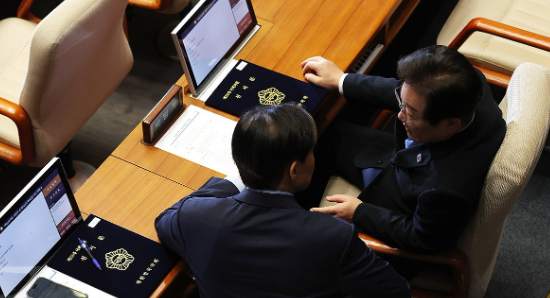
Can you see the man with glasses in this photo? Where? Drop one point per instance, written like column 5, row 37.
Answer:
column 420, row 184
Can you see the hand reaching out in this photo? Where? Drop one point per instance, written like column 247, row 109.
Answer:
column 322, row 72
column 344, row 209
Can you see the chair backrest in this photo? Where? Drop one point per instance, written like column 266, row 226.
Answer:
column 79, row 55
column 493, row 52
column 526, row 109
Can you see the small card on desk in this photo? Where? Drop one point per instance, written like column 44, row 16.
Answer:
column 248, row 85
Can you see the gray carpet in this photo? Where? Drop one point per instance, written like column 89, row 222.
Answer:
column 151, row 76
column 522, row 268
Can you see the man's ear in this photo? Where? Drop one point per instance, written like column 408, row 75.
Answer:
column 293, row 170
column 454, row 125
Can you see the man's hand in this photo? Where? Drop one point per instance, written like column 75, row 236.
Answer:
column 344, row 209
column 322, row 72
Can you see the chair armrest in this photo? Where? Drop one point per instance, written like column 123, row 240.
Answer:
column 451, row 257
column 151, row 4
column 24, row 11
column 178, row 283
column 21, row 119
column 383, row 119
column 502, row 30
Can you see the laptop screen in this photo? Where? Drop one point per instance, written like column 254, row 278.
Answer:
column 34, row 225
column 209, row 34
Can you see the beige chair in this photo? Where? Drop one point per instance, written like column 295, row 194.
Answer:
column 526, row 109
column 498, row 35
column 54, row 75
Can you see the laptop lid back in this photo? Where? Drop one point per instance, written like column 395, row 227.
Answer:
column 34, row 225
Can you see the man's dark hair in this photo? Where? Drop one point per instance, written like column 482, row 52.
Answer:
column 267, row 139
column 446, row 79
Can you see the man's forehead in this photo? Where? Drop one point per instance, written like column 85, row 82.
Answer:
column 412, row 100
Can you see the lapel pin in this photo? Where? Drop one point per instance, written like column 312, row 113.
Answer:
column 419, row 158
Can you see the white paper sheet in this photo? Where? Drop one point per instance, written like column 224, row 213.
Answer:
column 202, row 137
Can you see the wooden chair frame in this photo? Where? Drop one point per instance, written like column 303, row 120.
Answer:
column 157, row 5
column 501, row 30
column 26, row 141
column 453, row 258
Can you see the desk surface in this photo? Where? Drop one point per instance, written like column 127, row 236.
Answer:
column 132, row 197
column 128, row 195
column 291, row 32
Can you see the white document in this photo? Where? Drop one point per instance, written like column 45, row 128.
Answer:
column 202, row 137
column 216, row 81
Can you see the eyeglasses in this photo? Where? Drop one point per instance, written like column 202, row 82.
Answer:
column 399, row 99
column 403, row 107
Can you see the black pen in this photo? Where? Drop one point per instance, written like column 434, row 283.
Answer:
column 85, row 246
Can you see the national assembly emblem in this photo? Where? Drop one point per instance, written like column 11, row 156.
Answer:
column 271, row 96
column 119, row 259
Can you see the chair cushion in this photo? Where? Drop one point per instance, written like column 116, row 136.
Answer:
column 495, row 52
column 338, row 185
column 15, row 37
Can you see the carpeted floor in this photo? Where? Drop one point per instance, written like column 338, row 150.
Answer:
column 522, row 268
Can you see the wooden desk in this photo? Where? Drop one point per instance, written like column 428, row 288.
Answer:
column 292, row 31
column 128, row 195
column 132, row 197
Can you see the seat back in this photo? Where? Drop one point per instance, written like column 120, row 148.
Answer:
column 79, row 54
column 495, row 53
column 526, row 109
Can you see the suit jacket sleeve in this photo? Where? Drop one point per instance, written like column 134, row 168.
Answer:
column 365, row 90
column 362, row 273
column 437, row 222
column 167, row 224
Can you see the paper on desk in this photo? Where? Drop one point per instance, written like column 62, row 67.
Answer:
column 202, row 137
column 217, row 80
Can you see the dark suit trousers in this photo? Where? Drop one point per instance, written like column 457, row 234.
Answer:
column 335, row 155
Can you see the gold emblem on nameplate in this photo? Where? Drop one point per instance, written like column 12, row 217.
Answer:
column 119, row 259
column 271, row 96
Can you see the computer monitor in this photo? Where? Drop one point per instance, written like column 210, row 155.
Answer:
column 210, row 35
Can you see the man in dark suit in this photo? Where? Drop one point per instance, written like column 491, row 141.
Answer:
column 259, row 242
column 421, row 184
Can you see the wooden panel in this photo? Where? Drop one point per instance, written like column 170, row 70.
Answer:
column 128, row 196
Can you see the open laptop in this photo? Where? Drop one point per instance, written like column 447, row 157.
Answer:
column 33, row 226
column 210, row 36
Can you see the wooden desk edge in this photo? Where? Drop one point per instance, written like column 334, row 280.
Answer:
column 171, row 282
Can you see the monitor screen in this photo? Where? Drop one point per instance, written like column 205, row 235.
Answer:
column 209, row 34
column 34, row 225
